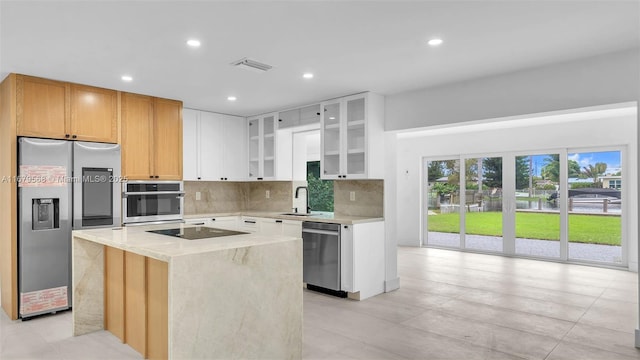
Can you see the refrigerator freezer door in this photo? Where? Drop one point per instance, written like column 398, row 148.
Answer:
column 44, row 250
column 96, row 190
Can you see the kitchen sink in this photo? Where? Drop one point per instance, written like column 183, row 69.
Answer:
column 296, row 214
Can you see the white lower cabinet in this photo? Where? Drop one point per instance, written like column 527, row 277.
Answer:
column 224, row 222
column 362, row 259
column 199, row 221
column 249, row 224
column 268, row 226
column 220, row 222
column 292, row 228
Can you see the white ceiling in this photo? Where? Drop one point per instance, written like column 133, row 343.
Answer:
column 350, row 46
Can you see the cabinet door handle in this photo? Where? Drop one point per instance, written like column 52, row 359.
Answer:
column 198, row 223
column 199, row 178
column 150, row 176
column 259, row 178
column 157, row 176
column 278, row 221
column 213, row 219
column 249, row 222
column 67, row 135
column 74, row 136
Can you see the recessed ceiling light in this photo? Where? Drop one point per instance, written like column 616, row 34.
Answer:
column 126, row 78
column 308, row 76
column 331, row 118
column 435, row 42
column 193, row 43
column 231, row 98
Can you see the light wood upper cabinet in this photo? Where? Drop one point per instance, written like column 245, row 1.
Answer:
column 137, row 127
column 94, row 114
column 42, row 107
column 151, row 138
column 167, row 140
column 61, row 110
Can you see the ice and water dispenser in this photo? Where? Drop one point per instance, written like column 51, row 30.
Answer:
column 46, row 214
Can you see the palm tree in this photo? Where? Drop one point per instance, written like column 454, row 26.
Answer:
column 594, row 171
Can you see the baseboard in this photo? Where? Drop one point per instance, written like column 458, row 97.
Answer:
column 391, row 285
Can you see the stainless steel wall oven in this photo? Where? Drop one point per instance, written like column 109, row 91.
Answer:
column 152, row 201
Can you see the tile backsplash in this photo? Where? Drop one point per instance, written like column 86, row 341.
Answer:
column 368, row 198
column 215, row 197
column 280, row 196
column 224, row 196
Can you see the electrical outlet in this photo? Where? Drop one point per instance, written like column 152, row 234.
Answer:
column 198, row 195
column 267, row 194
column 352, row 195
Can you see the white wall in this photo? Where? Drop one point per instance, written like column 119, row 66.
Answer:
column 306, row 147
column 587, row 129
column 606, row 79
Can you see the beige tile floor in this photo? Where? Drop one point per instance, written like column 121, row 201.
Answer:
column 451, row 305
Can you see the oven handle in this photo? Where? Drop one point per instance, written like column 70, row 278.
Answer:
column 126, row 194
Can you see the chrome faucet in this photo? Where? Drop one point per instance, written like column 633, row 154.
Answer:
column 297, row 193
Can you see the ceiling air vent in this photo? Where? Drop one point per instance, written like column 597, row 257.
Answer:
column 251, row 65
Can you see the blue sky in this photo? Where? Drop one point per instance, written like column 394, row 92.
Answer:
column 611, row 158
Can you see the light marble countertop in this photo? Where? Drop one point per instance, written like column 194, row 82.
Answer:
column 137, row 240
column 322, row 217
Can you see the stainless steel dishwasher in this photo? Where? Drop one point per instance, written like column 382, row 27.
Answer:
column 321, row 257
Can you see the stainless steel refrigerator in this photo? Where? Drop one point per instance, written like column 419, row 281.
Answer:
column 53, row 176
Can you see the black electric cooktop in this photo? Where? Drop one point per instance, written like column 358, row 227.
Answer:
column 196, row 233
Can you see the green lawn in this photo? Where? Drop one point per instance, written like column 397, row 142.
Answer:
column 592, row 229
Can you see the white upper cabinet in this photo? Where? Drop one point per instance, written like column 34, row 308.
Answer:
column 307, row 115
column 262, row 147
column 352, row 137
column 190, row 139
column 214, row 147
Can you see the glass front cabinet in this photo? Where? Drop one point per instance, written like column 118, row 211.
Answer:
column 262, row 145
column 352, row 137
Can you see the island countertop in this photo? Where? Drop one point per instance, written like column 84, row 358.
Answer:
column 137, row 240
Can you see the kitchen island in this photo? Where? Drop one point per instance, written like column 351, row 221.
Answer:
column 235, row 296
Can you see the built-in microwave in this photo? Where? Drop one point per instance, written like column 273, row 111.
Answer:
column 152, row 201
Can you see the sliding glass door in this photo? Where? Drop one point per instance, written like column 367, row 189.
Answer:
column 483, row 204
column 443, row 202
column 562, row 204
column 537, row 217
column 594, row 204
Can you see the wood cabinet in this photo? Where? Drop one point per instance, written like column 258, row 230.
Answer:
column 352, row 137
column 94, row 114
column 167, row 139
column 151, row 138
column 214, row 147
column 262, row 147
column 136, row 301
column 61, row 110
